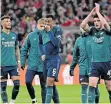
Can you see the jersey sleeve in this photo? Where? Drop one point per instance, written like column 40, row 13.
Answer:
column 75, row 55
column 24, row 51
column 56, row 37
column 108, row 32
column 41, row 45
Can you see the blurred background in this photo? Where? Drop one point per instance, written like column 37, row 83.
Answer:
column 68, row 13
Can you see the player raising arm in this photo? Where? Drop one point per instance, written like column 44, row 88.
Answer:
column 101, row 54
column 104, row 24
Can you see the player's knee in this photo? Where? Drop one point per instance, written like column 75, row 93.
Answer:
column 50, row 81
column 16, row 84
column 93, row 82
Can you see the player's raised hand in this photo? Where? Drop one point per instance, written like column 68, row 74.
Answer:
column 97, row 7
column 71, row 72
column 47, row 28
column 43, row 57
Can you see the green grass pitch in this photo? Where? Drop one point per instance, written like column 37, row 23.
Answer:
column 68, row 94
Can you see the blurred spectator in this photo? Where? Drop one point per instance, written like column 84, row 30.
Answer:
column 68, row 13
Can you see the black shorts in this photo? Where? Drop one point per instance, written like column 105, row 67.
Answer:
column 99, row 69
column 11, row 70
column 83, row 78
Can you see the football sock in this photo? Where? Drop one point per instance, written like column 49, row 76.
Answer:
column 91, row 95
column 49, row 94
column 109, row 96
column 3, row 92
column 97, row 95
column 15, row 90
column 84, row 93
column 55, row 96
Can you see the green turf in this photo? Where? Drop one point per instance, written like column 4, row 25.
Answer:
column 68, row 94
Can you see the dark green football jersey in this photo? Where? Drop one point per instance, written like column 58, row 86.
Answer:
column 100, row 45
column 8, row 45
column 82, row 55
column 31, row 48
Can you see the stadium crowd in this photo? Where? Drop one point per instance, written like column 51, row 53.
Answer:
column 25, row 13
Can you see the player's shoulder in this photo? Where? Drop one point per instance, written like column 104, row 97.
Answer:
column 79, row 38
column 13, row 34
column 32, row 33
column 58, row 27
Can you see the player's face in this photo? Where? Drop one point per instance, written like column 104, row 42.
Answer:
column 41, row 26
column 49, row 22
column 97, row 23
column 6, row 23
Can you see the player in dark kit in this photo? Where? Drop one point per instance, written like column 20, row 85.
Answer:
column 101, row 52
column 51, row 45
column 35, row 65
column 10, row 59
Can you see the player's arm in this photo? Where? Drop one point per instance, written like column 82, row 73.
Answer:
column 56, row 38
column 84, row 23
column 75, row 57
column 24, row 51
column 102, row 19
column 17, row 54
column 42, row 54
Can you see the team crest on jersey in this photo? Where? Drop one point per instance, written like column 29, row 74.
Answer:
column 99, row 38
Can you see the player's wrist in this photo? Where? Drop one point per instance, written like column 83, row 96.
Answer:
column 18, row 62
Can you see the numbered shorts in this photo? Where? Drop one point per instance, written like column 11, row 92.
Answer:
column 99, row 69
column 11, row 70
column 53, row 67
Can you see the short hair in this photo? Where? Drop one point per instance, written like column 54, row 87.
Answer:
column 41, row 21
column 50, row 16
column 5, row 17
column 96, row 16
